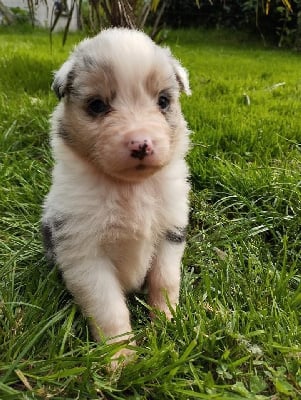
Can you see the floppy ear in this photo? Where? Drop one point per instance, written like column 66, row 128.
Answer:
column 182, row 76
column 62, row 79
column 180, row 72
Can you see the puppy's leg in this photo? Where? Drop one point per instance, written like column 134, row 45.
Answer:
column 96, row 289
column 164, row 276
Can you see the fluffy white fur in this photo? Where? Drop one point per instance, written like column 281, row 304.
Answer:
column 113, row 220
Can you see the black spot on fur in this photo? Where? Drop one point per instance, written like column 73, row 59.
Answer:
column 48, row 241
column 176, row 236
column 50, row 233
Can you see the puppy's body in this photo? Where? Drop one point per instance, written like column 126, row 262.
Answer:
column 117, row 210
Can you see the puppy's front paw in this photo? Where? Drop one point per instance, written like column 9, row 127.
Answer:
column 163, row 308
column 121, row 358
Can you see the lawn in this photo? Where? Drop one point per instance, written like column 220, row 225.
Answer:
column 237, row 332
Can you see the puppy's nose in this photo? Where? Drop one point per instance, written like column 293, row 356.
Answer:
column 140, row 148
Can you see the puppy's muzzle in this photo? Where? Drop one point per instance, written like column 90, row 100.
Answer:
column 141, row 148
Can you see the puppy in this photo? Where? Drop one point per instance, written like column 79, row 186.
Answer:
column 117, row 210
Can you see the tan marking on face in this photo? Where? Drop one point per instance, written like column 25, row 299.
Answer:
column 159, row 79
column 96, row 83
column 134, row 111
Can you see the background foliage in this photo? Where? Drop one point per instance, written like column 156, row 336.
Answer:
column 275, row 21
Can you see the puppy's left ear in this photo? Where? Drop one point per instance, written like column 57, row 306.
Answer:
column 182, row 76
column 62, row 79
column 180, row 72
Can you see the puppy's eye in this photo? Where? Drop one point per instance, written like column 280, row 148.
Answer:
column 97, row 107
column 163, row 102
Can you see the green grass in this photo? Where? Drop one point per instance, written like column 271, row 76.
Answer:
column 236, row 333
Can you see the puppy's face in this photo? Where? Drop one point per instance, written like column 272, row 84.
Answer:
column 120, row 104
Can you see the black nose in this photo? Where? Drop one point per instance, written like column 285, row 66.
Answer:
column 141, row 152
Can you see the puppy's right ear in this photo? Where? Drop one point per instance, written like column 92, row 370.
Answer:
column 62, row 79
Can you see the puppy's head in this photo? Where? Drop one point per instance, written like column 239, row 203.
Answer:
column 119, row 106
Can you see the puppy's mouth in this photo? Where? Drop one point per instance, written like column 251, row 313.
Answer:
column 141, row 167
column 136, row 173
